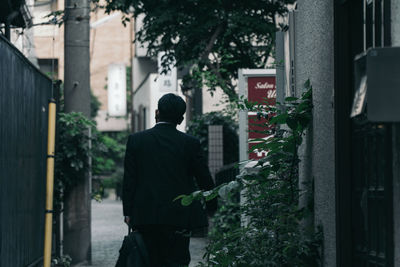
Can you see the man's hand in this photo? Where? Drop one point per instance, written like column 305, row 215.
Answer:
column 127, row 219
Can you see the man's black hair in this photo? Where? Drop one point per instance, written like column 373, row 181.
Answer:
column 171, row 108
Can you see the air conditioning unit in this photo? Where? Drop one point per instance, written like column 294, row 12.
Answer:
column 377, row 84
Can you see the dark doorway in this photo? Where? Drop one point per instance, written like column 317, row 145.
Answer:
column 363, row 149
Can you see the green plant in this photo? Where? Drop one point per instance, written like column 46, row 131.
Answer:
column 112, row 148
column 109, row 159
column 95, row 105
column 72, row 147
column 63, row 261
column 75, row 146
column 199, row 127
column 72, row 151
column 264, row 229
column 212, row 38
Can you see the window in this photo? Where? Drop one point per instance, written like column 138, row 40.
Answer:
column 374, row 15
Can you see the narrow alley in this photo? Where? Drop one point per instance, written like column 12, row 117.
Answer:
column 276, row 120
column 108, row 230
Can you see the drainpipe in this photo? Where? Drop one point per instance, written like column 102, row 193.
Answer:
column 50, row 183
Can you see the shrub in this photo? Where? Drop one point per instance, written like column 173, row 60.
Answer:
column 72, row 151
column 264, row 229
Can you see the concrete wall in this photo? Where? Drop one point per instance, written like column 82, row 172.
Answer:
column 141, row 99
column 395, row 27
column 45, row 45
column 141, row 67
column 314, row 60
column 213, row 102
column 395, row 22
column 140, row 48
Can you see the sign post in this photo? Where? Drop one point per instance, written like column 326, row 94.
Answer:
column 255, row 85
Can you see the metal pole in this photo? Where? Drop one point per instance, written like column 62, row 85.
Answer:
column 50, row 183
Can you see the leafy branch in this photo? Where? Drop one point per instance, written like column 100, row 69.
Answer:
column 211, row 38
column 282, row 147
column 72, row 151
column 263, row 230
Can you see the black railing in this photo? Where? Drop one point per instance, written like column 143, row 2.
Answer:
column 24, row 95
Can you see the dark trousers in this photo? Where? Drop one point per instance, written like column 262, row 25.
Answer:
column 166, row 246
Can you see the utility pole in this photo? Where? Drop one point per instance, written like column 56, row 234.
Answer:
column 77, row 209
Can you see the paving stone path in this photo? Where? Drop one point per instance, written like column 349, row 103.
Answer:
column 108, row 231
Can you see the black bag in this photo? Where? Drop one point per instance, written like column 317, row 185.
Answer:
column 133, row 252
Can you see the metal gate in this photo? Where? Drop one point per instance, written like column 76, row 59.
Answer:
column 371, row 194
column 364, row 171
column 24, row 95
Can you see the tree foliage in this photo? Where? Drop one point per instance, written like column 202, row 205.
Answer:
column 212, row 38
column 264, row 228
column 109, row 153
column 108, row 160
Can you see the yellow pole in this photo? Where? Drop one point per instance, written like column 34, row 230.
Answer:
column 50, row 183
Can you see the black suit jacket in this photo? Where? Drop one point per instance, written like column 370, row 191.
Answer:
column 160, row 164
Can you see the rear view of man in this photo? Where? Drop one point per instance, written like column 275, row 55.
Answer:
column 160, row 164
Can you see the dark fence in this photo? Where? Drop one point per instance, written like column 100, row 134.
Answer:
column 24, row 95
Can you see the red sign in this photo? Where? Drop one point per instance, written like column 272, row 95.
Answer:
column 263, row 91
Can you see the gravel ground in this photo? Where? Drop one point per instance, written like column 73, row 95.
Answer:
column 108, row 231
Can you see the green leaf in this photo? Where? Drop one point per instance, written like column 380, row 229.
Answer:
column 179, row 197
column 279, row 119
column 187, row 200
column 223, row 192
column 291, row 98
column 209, row 195
column 292, row 123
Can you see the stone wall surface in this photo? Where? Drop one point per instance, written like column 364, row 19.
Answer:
column 395, row 27
column 314, row 57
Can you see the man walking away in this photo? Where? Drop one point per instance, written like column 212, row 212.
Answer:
column 160, row 164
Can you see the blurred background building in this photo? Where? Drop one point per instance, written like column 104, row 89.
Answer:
column 111, row 44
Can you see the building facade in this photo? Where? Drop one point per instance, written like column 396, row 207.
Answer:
column 352, row 163
column 110, row 43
